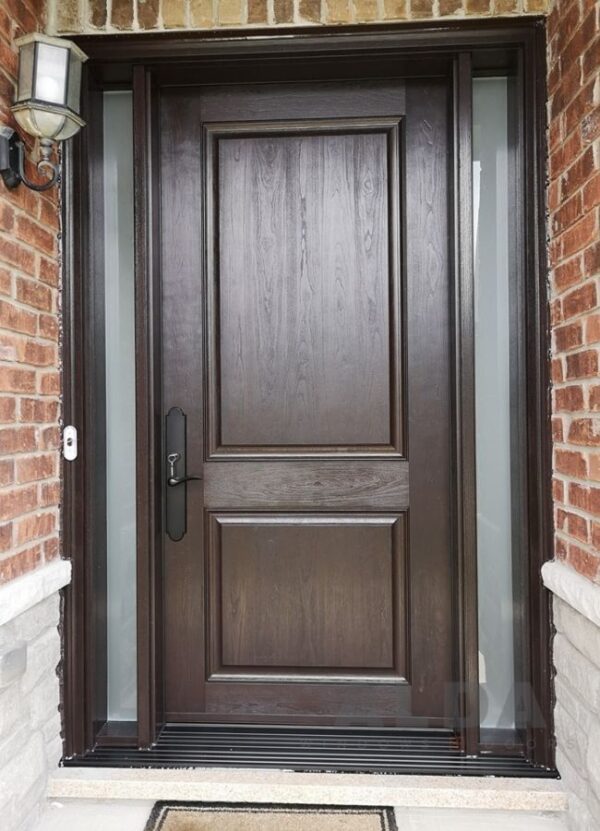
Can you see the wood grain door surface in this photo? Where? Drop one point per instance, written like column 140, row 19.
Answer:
column 305, row 262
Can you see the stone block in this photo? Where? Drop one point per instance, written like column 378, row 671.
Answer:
column 581, row 632
column 42, row 616
column 13, row 663
column 12, row 710
column 593, row 758
column 43, row 656
column 582, row 673
column 573, row 741
column 44, row 698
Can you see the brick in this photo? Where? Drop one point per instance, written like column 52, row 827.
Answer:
column 16, row 319
column 173, row 13
column 7, row 217
column 310, row 10
column 5, row 281
column 594, row 466
column 14, row 253
column 581, row 234
column 585, row 431
column 577, row 526
column 582, row 364
column 231, row 12
column 580, row 300
column 50, row 383
column 569, row 399
column 591, row 193
column 20, row 563
column 201, row 14
column 556, row 315
column 18, row 501
column 37, row 354
column 477, row 7
column 365, row 10
column 51, row 549
column 17, row 440
column 7, row 472
column 568, row 213
column 147, row 12
column 34, row 527
column 557, row 430
column 580, row 107
column 558, row 490
column 8, row 409
column 121, row 15
column 34, row 468
column 67, row 16
column 579, row 496
column 397, row 9
column 49, row 438
column 48, row 327
column 591, row 260
column 592, row 328
column 50, row 494
column 557, row 371
column 97, row 13
column 283, row 11
column 5, row 537
column 34, row 294
column 38, row 410
column 16, row 380
column 584, row 562
column 567, row 274
column 48, row 272
column 258, row 11
column 594, row 399
column 570, row 463
column 569, row 336
column 35, row 235
column 505, row 6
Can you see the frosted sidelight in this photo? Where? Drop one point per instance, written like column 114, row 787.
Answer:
column 119, row 356
column 496, row 304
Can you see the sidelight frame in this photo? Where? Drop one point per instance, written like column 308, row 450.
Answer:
column 141, row 63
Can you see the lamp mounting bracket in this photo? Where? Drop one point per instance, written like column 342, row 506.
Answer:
column 9, row 157
column 12, row 161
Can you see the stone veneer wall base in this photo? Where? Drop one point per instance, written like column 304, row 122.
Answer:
column 30, row 728
column 577, row 688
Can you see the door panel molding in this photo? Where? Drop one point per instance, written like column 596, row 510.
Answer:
column 282, row 152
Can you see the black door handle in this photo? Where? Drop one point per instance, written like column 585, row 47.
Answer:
column 173, row 481
column 176, row 498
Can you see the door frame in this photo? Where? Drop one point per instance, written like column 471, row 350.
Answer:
column 140, row 62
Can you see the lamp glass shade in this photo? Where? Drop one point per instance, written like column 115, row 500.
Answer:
column 47, row 102
column 51, row 70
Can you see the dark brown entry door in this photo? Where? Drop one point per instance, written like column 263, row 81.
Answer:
column 306, row 318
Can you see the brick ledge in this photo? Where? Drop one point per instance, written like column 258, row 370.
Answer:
column 579, row 592
column 20, row 594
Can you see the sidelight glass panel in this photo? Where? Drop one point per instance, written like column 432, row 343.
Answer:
column 496, row 305
column 119, row 358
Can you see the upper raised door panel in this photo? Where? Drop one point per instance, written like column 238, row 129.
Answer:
column 304, row 288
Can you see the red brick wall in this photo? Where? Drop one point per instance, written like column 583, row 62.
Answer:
column 29, row 377
column 573, row 201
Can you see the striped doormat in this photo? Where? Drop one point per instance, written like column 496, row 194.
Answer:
column 196, row 816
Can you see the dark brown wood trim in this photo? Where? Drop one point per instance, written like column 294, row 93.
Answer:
column 466, row 507
column 123, row 59
column 148, row 409
column 84, row 676
column 537, row 326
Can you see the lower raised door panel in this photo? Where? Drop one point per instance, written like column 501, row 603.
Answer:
column 307, row 597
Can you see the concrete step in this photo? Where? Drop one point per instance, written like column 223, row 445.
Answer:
column 288, row 787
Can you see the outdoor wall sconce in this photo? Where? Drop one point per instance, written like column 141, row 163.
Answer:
column 46, row 106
